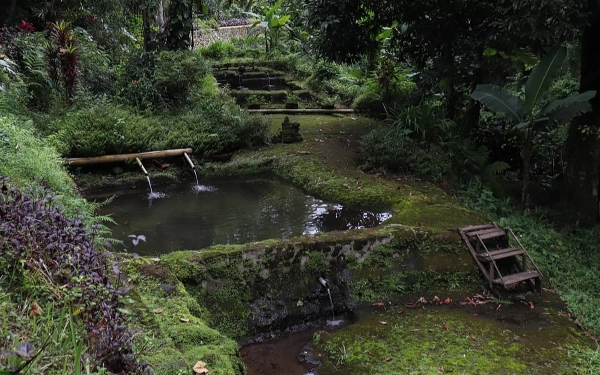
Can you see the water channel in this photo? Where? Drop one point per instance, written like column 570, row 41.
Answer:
column 224, row 211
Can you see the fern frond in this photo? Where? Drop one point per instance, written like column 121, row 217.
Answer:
column 497, row 167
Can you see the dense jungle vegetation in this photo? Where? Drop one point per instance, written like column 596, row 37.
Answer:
column 495, row 101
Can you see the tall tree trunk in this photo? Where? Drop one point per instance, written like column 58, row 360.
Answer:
column 581, row 175
column 160, row 16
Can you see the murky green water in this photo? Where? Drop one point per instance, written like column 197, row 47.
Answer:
column 226, row 211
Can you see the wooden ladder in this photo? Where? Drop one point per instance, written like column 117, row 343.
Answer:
column 500, row 264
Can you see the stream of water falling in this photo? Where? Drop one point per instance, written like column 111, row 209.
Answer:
column 331, row 303
column 196, row 174
column 149, row 184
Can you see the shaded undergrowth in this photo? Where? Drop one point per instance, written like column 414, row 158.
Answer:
column 55, row 283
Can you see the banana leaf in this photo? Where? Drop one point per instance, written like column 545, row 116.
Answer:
column 542, row 76
column 500, row 101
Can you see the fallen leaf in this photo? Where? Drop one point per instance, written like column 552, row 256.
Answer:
column 346, row 186
column 35, row 310
column 387, row 359
column 303, row 152
column 442, row 369
column 158, row 311
column 447, row 301
column 384, row 323
column 378, row 304
column 200, row 368
column 185, row 320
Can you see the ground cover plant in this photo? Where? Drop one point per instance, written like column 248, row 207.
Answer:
column 51, row 268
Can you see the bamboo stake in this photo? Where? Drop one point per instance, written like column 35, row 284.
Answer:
column 123, row 157
column 300, row 111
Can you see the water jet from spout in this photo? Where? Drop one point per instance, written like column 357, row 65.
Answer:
column 326, row 286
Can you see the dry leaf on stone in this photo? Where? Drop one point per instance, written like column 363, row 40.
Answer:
column 200, row 368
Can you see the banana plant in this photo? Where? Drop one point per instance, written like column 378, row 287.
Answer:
column 271, row 23
column 528, row 117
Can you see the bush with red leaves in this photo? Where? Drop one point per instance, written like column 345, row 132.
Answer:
column 35, row 237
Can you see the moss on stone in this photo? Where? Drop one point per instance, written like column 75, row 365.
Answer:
column 175, row 323
column 439, row 339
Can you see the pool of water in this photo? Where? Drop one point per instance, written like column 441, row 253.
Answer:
column 224, row 211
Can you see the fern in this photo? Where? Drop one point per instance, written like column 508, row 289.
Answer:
column 497, row 167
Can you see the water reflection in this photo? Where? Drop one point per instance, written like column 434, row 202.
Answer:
column 228, row 211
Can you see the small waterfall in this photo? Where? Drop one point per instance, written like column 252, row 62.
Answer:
column 149, row 184
column 331, row 302
column 269, row 85
column 196, row 174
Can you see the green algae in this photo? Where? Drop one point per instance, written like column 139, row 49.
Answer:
column 437, row 339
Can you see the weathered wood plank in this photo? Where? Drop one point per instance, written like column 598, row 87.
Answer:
column 516, row 277
column 492, row 234
column 500, row 254
column 471, row 228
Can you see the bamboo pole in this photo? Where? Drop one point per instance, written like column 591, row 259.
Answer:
column 123, row 157
column 300, row 111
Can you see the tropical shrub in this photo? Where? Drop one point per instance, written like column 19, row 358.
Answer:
column 30, row 161
column 103, row 130
column 521, row 114
column 371, row 104
column 213, row 126
column 218, row 50
column 387, row 151
column 164, row 81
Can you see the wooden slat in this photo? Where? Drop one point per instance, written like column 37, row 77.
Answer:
column 492, row 234
column 471, row 228
column 516, row 277
column 500, row 254
column 484, row 231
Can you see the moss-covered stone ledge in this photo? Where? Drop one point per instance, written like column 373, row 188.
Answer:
column 246, row 290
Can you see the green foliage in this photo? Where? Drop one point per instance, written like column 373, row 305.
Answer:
column 169, row 80
column 29, row 161
column 522, row 116
column 419, row 140
column 104, row 130
column 214, row 126
column 385, row 150
column 370, row 103
column 218, row 50
column 98, row 68
column 271, row 23
column 179, row 25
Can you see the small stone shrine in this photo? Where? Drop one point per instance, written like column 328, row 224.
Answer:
column 290, row 132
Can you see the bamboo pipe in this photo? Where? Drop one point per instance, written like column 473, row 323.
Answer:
column 141, row 166
column 187, row 157
column 123, row 157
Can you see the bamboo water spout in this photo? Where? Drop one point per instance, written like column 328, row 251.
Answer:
column 141, row 166
column 124, row 157
column 189, row 160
